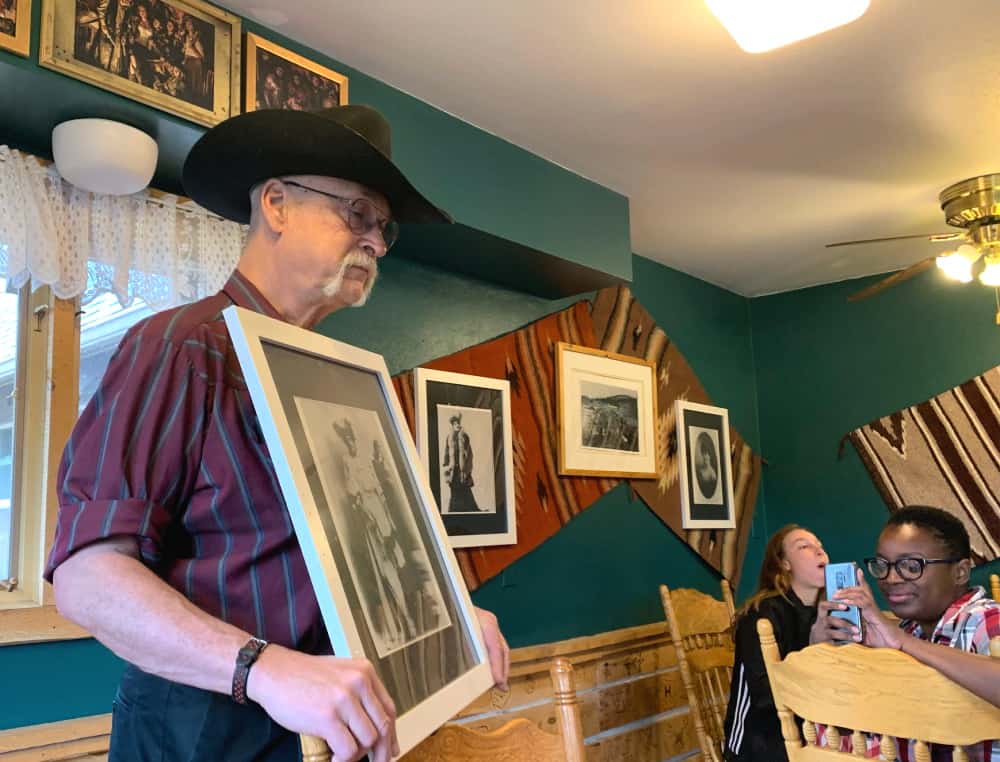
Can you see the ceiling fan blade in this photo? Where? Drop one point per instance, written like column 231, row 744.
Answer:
column 936, row 237
column 892, row 280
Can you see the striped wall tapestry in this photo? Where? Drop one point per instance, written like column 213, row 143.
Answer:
column 943, row 452
column 545, row 501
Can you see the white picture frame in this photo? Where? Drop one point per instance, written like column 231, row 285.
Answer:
column 606, row 405
column 387, row 581
column 705, row 466
column 464, row 436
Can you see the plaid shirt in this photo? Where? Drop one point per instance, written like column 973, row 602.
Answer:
column 968, row 624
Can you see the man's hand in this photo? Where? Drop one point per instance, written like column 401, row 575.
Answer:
column 880, row 632
column 496, row 647
column 339, row 700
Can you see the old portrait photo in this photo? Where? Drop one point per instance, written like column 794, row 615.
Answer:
column 705, row 474
column 704, row 466
column 609, row 416
column 154, row 43
column 389, row 567
column 466, row 460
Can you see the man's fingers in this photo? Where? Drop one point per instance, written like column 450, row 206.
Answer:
column 342, row 743
column 380, row 707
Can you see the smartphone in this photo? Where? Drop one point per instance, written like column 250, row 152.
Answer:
column 839, row 576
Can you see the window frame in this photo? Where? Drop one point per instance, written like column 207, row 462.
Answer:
column 49, row 343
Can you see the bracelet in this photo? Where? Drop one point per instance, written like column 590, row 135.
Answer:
column 245, row 659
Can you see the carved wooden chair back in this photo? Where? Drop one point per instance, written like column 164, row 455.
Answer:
column 517, row 741
column 700, row 627
column 858, row 690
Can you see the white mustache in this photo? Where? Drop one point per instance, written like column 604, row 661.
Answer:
column 355, row 258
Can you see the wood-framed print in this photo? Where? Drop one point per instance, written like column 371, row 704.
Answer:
column 386, row 578
column 607, row 413
column 15, row 26
column 181, row 56
column 705, row 466
column 276, row 77
column 465, row 439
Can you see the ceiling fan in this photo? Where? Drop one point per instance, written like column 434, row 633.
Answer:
column 972, row 206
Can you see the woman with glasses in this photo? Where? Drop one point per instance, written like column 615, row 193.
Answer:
column 922, row 564
column 791, row 578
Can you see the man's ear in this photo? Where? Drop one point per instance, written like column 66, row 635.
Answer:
column 274, row 205
column 962, row 571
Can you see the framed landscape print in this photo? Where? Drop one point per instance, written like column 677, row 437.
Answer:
column 181, row 56
column 607, row 413
column 703, row 460
column 379, row 560
column 464, row 439
column 15, row 26
column 276, row 77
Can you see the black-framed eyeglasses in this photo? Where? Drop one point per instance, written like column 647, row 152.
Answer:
column 908, row 568
column 362, row 215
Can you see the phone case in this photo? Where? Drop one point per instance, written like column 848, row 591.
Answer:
column 839, row 576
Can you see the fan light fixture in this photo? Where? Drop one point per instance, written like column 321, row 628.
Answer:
column 761, row 25
column 957, row 265
column 990, row 276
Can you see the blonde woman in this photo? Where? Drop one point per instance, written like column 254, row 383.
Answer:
column 791, row 579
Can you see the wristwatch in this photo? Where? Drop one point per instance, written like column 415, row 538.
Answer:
column 244, row 660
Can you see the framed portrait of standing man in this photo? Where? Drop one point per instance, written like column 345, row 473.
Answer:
column 378, row 557
column 464, row 437
column 705, row 466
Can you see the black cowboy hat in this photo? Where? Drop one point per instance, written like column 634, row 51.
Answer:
column 350, row 142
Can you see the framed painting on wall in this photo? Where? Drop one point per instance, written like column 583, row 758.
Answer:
column 464, row 437
column 378, row 557
column 15, row 26
column 705, row 466
column 276, row 77
column 606, row 412
column 180, row 56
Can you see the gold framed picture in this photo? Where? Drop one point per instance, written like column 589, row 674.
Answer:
column 181, row 56
column 276, row 77
column 15, row 26
column 607, row 413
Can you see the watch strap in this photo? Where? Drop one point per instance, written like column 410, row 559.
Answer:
column 245, row 659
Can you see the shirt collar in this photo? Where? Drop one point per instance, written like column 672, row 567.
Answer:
column 243, row 293
column 947, row 619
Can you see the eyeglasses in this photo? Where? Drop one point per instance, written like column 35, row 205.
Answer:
column 362, row 215
column 907, row 568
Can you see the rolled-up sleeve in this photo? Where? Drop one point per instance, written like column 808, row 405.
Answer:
column 132, row 459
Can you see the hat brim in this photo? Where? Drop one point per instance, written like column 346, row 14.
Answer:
column 235, row 155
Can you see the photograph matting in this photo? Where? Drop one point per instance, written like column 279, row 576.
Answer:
column 704, row 466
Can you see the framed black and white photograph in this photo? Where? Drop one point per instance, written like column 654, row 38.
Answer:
column 464, row 437
column 706, row 478
column 607, row 413
column 374, row 543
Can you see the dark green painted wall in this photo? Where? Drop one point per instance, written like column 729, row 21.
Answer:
column 599, row 573
column 825, row 367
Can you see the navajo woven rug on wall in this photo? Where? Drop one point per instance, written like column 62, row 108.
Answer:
column 943, row 452
column 545, row 501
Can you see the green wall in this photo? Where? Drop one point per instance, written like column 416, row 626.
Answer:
column 599, row 573
column 826, row 366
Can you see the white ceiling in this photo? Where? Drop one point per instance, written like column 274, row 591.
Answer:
column 738, row 167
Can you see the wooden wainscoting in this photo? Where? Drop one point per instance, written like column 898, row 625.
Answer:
column 632, row 699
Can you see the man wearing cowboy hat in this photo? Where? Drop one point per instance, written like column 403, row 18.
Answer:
column 173, row 545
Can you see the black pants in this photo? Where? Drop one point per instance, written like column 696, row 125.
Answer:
column 155, row 720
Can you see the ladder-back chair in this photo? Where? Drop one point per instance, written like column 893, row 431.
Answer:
column 700, row 627
column 875, row 691
column 517, row 741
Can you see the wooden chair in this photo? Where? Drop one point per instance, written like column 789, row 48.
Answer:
column 517, row 741
column 995, row 587
column 700, row 629
column 868, row 690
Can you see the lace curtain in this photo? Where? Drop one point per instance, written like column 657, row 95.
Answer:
column 83, row 244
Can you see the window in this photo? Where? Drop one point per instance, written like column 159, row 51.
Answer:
column 52, row 356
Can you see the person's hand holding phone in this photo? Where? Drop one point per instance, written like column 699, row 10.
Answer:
column 880, row 632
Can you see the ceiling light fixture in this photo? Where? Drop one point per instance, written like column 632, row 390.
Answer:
column 957, row 265
column 761, row 25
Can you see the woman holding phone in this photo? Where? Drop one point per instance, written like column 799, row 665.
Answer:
column 791, row 578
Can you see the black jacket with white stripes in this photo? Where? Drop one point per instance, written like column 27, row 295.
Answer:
column 753, row 733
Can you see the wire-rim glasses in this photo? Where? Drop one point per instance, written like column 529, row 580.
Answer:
column 362, row 215
column 908, row 568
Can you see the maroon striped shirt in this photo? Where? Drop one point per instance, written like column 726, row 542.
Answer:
column 169, row 451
